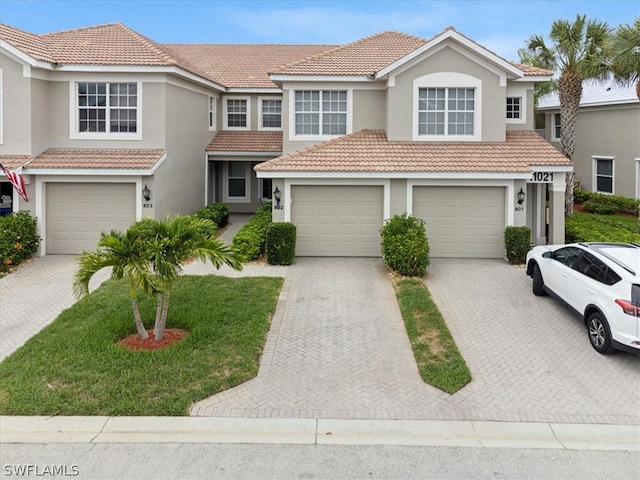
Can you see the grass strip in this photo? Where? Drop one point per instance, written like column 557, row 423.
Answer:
column 439, row 361
column 74, row 366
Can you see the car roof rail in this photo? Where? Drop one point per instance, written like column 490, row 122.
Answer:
column 595, row 245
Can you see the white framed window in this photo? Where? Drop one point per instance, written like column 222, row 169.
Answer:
column 446, row 111
column 106, row 110
column 265, row 189
column 236, row 182
column 603, row 170
column 212, row 113
column 557, row 130
column 320, row 112
column 270, row 113
column 514, row 108
column 237, row 113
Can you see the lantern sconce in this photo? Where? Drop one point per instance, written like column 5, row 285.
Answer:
column 146, row 193
column 521, row 196
column 278, row 196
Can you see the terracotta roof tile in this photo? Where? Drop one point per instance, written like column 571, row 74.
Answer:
column 250, row 141
column 14, row 161
column 243, row 66
column 32, row 45
column 369, row 151
column 82, row 158
column 530, row 70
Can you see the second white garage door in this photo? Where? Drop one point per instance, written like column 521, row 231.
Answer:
column 337, row 220
column 78, row 212
column 462, row 221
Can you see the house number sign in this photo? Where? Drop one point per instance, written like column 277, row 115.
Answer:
column 541, row 177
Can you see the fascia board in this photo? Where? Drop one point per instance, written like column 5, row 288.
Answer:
column 88, row 172
column 321, row 78
column 212, row 153
column 252, row 90
column 22, row 57
column 407, row 175
column 536, row 78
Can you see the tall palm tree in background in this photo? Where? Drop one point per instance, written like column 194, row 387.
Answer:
column 174, row 241
column 125, row 254
column 576, row 53
column 624, row 53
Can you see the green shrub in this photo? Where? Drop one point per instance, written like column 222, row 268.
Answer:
column 281, row 243
column 580, row 196
column 18, row 239
column 591, row 227
column 405, row 247
column 610, row 204
column 251, row 238
column 218, row 213
column 517, row 241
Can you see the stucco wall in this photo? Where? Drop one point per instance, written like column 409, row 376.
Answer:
column 16, row 109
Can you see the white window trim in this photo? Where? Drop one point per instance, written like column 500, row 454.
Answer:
column 75, row 134
column 319, row 137
column 594, row 183
column 553, row 128
column 448, row 80
column 260, row 126
column 247, row 185
column 260, row 185
column 523, row 113
column 226, row 116
column 212, row 117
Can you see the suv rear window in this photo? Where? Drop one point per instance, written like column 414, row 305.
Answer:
column 595, row 268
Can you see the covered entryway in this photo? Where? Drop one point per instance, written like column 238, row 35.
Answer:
column 76, row 213
column 334, row 220
column 462, row 221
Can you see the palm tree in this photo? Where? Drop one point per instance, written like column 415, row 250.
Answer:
column 170, row 243
column 576, row 54
column 125, row 254
column 624, row 50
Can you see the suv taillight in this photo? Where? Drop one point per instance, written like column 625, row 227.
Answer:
column 629, row 308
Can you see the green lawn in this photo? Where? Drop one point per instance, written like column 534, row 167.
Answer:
column 439, row 361
column 75, row 367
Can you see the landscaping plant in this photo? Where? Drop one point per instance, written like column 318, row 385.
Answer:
column 281, row 243
column 18, row 239
column 251, row 238
column 405, row 247
column 517, row 242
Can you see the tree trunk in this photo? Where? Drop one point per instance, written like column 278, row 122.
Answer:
column 569, row 92
column 159, row 327
column 142, row 333
column 159, row 303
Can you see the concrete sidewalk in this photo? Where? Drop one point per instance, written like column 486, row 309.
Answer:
column 437, row 433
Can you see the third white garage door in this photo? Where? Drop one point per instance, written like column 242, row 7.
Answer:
column 337, row 220
column 462, row 221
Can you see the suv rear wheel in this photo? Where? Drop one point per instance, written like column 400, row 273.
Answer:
column 599, row 333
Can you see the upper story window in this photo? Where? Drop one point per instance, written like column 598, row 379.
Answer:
column 514, row 107
column 237, row 113
column 107, row 107
column 320, row 112
column 446, row 111
column 212, row 113
column 604, row 175
column 557, row 130
column 270, row 113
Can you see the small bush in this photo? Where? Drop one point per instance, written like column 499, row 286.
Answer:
column 18, row 239
column 611, row 204
column 281, row 243
column 251, row 238
column 405, row 247
column 218, row 213
column 580, row 196
column 517, row 241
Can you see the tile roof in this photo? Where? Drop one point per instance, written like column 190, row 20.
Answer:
column 243, row 66
column 369, row 151
column 249, row 141
column 33, row 45
column 85, row 158
column 14, row 161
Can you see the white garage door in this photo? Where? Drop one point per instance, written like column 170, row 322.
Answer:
column 78, row 212
column 337, row 220
column 462, row 221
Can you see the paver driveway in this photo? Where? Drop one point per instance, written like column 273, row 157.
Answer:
column 338, row 349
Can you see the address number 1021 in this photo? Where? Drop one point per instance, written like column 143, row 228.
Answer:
column 542, row 177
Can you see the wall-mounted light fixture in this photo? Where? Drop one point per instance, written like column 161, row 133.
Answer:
column 278, row 196
column 146, row 193
column 521, row 196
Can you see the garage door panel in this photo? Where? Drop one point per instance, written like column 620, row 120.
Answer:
column 337, row 220
column 76, row 213
column 462, row 221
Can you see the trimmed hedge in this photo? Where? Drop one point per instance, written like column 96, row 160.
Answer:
column 591, row 227
column 606, row 204
column 218, row 213
column 517, row 241
column 281, row 243
column 405, row 247
column 251, row 238
column 18, row 239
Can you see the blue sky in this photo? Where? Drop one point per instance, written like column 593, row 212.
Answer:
column 502, row 26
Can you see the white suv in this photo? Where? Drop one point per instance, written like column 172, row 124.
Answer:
column 600, row 282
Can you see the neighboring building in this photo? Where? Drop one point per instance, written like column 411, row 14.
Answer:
column 96, row 118
column 607, row 153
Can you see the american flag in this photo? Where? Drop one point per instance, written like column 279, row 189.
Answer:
column 16, row 181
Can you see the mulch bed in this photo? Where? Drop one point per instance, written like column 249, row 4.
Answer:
column 171, row 336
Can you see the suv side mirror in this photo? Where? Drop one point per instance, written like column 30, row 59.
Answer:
column 547, row 255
